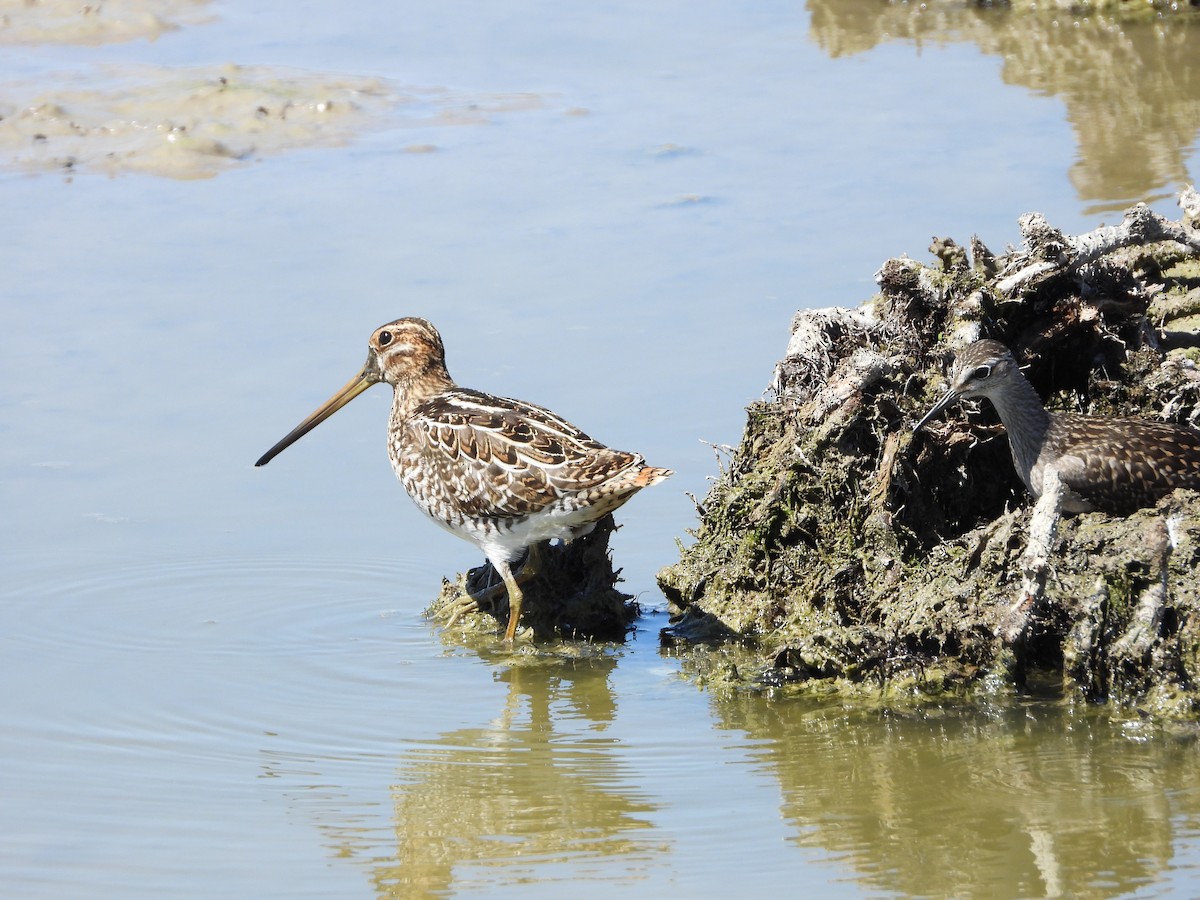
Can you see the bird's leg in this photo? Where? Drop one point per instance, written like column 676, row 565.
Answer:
column 509, row 583
column 529, row 569
column 515, row 599
column 1035, row 561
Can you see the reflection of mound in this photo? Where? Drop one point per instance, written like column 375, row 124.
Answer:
column 1131, row 88
column 111, row 21
column 196, row 123
column 1020, row 800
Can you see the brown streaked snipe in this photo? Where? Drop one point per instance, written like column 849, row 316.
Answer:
column 1116, row 465
column 503, row 474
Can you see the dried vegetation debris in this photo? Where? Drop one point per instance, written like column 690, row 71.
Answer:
column 842, row 552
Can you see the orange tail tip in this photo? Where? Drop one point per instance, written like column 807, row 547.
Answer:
column 652, row 475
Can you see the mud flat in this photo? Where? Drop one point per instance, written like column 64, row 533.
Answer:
column 68, row 22
column 838, row 552
column 197, row 122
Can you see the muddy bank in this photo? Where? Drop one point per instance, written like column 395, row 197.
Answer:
column 182, row 123
column 839, row 552
column 199, row 122
column 196, row 122
column 110, row 21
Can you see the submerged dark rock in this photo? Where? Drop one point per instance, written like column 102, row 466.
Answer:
column 839, row 551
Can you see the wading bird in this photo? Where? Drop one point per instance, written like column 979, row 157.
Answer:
column 503, row 474
column 1116, row 465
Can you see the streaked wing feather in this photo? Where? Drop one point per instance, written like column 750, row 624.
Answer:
column 505, row 458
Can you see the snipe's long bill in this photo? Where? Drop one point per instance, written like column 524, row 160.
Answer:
column 352, row 389
column 503, row 474
column 1116, row 465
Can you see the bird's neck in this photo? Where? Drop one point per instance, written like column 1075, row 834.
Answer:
column 417, row 388
column 1026, row 421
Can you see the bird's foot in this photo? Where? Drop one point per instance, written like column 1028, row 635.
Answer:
column 492, row 597
column 473, row 602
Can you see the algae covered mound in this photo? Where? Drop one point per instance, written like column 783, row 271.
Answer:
column 846, row 552
column 573, row 595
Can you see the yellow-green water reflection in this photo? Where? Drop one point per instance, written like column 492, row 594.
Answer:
column 1131, row 88
column 578, row 782
column 540, row 784
column 1026, row 800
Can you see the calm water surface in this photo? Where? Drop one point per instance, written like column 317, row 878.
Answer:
column 218, row 680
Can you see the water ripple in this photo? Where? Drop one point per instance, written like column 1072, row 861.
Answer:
column 272, row 606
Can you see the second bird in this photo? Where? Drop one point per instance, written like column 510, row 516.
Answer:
column 503, row 474
column 1115, row 465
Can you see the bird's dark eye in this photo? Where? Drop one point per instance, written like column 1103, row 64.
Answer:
column 982, row 372
column 385, row 338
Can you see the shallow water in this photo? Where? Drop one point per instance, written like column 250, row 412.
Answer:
column 218, row 678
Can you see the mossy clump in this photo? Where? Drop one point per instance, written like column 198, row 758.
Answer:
column 572, row 596
column 839, row 551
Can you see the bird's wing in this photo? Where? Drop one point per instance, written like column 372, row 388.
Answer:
column 505, row 458
column 1150, row 460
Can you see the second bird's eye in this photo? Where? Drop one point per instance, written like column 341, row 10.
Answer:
column 385, row 338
